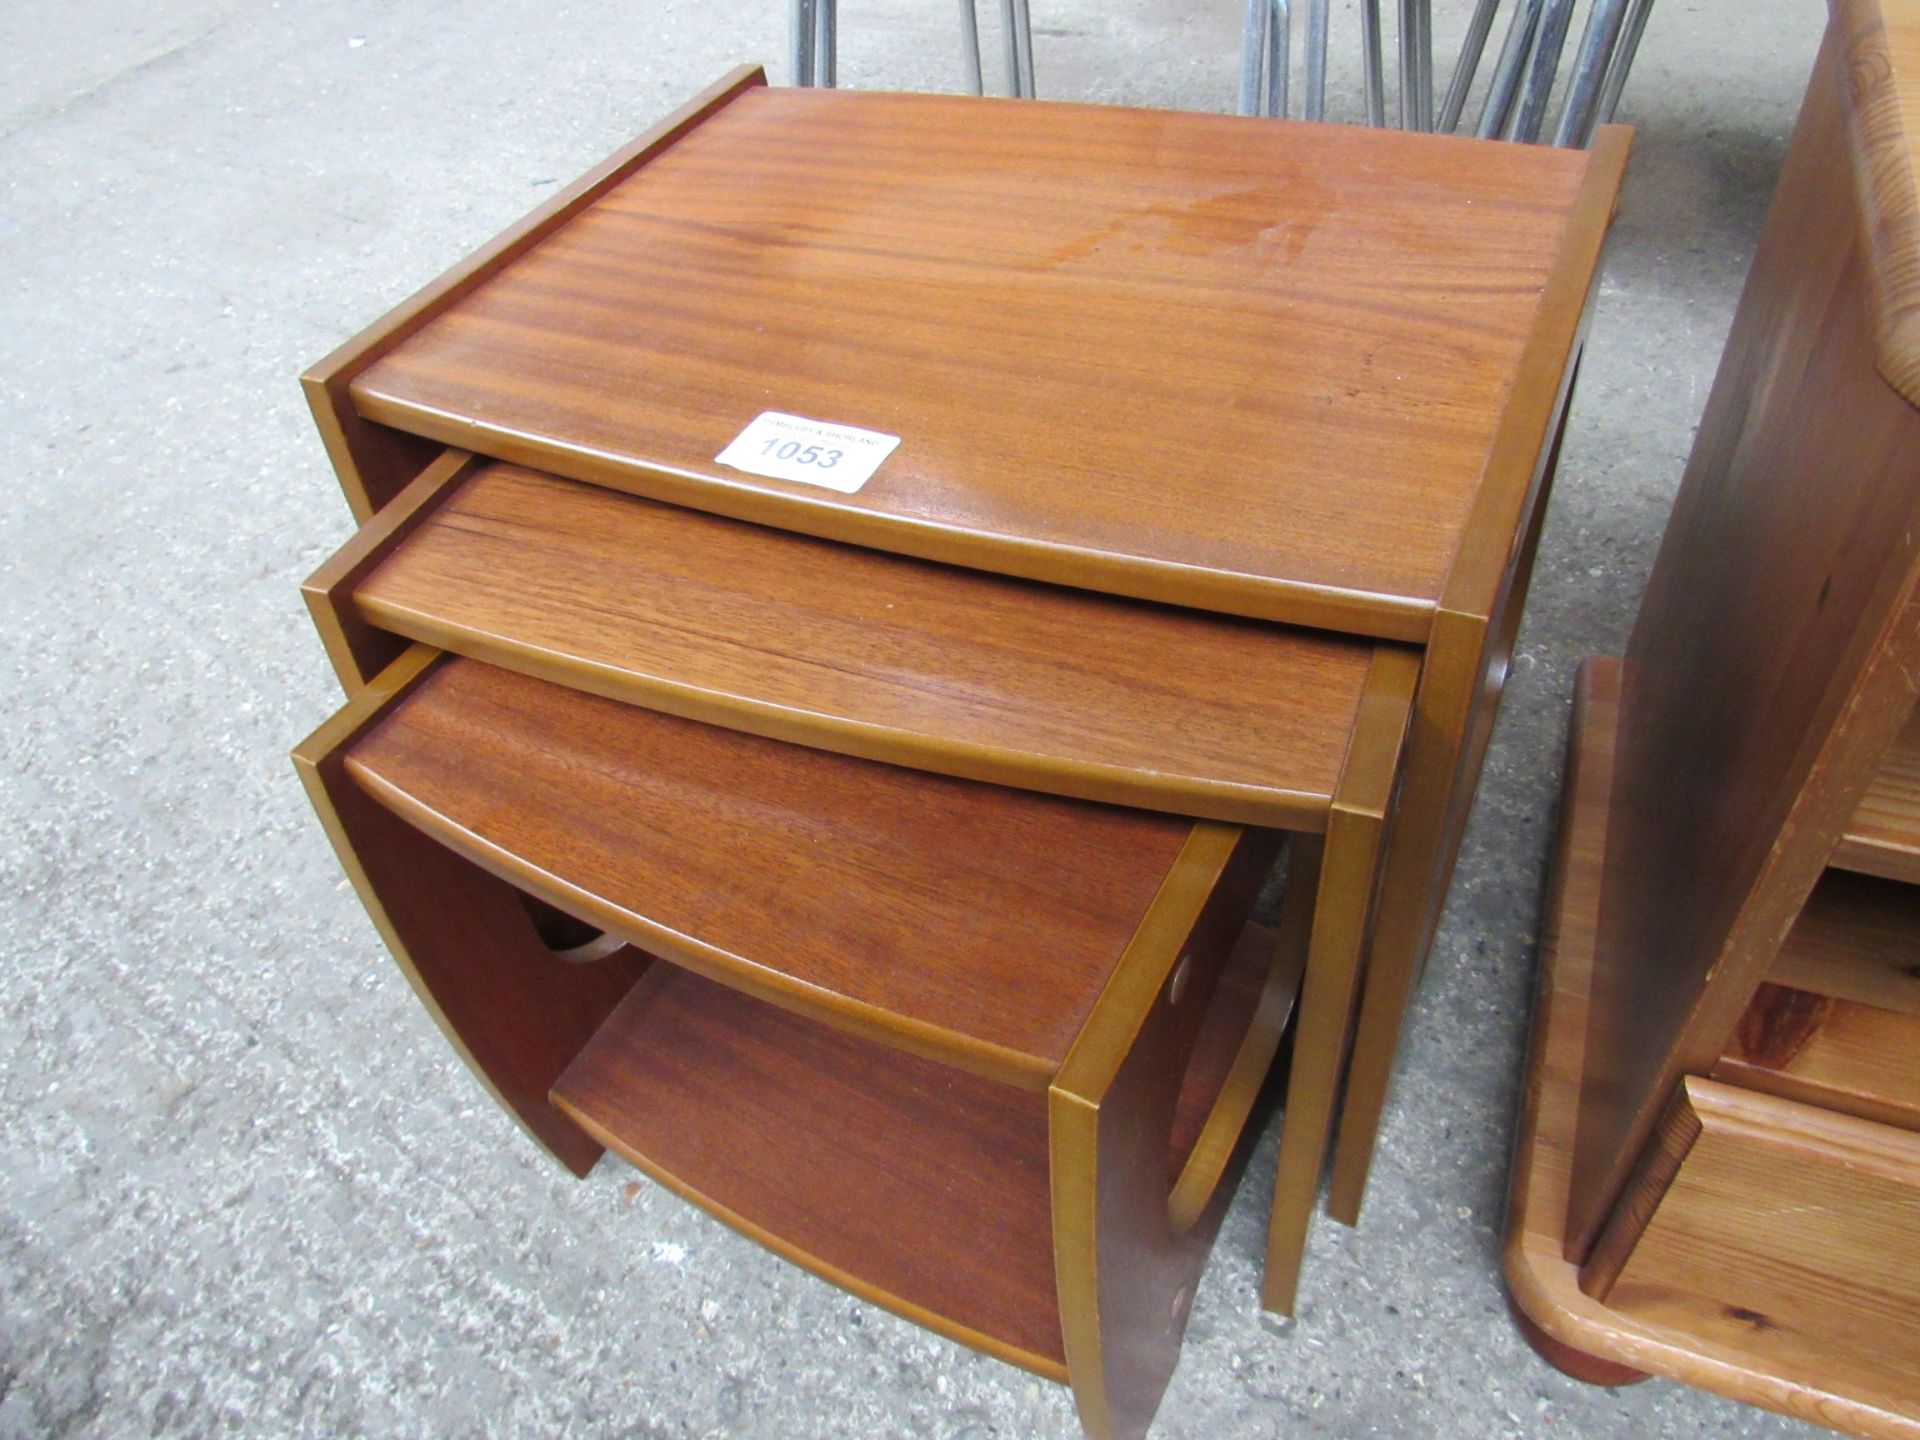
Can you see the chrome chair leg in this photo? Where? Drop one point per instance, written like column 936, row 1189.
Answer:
column 1372, row 62
column 1505, row 84
column 1472, row 47
column 1620, row 64
column 970, row 47
column 1279, row 56
column 828, row 41
column 1024, row 47
column 1589, row 71
column 1555, row 21
column 803, row 15
column 1316, row 101
column 1253, row 51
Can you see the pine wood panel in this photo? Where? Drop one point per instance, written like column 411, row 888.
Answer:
column 1857, row 939
column 869, row 654
column 968, row 921
column 1124, row 349
column 1791, row 1236
column 1856, row 1059
column 1882, row 40
column 1883, row 837
column 916, row 1185
column 1772, row 663
column 1586, row 1337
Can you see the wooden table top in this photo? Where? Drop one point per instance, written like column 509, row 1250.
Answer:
column 1252, row 366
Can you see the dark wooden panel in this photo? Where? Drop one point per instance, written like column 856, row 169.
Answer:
column 1768, row 669
column 916, row 1185
column 971, row 921
column 514, row 1010
column 1255, row 367
column 870, row 654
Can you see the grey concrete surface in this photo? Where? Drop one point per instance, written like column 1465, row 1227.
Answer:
column 245, row 1190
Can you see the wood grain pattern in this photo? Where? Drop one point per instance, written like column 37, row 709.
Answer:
column 969, row 922
column 374, row 462
column 1543, row 1283
column 869, row 654
column 515, row 1012
column 1855, row 1059
column 1043, row 301
column 358, row 647
column 1771, row 663
column 1881, row 51
column 1792, row 1236
column 1883, row 835
column 915, row 1185
column 1857, row 939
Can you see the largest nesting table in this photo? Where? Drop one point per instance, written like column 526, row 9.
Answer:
column 1275, row 406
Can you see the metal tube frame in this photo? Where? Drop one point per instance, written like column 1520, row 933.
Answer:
column 1373, row 62
column 1531, row 114
column 970, row 47
column 1505, row 84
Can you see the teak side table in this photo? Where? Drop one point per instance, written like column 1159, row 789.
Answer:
column 1305, row 374
column 1160, row 382
column 1718, row 1170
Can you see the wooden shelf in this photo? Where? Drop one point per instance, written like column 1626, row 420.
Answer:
column 1836, row 1054
column 918, row 1186
column 1883, row 837
column 966, row 921
column 1857, row 939
column 869, row 654
column 1250, row 368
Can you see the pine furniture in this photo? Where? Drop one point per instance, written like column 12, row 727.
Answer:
column 1718, row 1172
column 1222, row 453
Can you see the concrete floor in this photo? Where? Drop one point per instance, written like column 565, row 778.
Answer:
column 245, row 1189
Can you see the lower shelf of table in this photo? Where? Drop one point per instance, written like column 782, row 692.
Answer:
column 916, row 1185
column 913, row 1184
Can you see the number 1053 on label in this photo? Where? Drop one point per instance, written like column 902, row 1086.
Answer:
column 810, row 452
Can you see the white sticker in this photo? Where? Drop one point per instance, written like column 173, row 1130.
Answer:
column 788, row 447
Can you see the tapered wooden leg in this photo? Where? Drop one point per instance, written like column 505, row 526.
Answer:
column 1319, row 1046
column 1349, row 867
